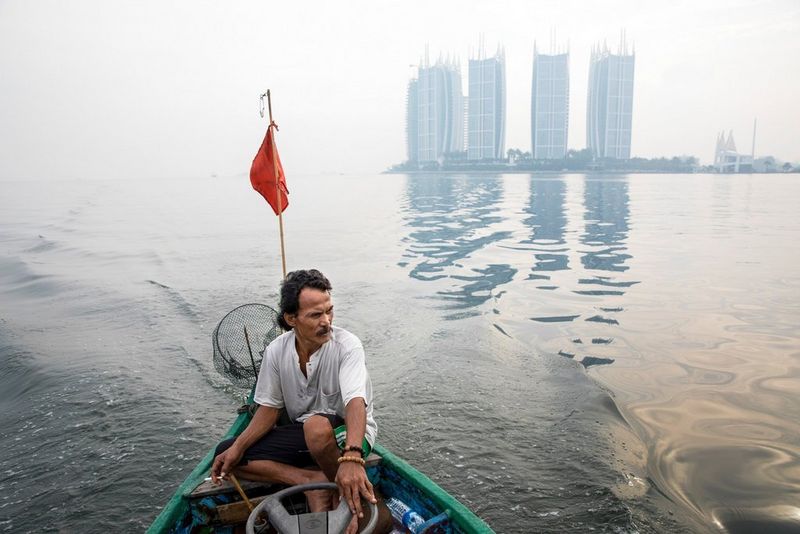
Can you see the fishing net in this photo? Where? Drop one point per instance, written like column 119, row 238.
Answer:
column 240, row 339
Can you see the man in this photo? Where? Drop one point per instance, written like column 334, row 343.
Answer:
column 316, row 373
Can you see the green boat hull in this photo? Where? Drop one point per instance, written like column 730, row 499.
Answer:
column 392, row 477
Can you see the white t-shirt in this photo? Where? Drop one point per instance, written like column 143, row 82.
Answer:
column 337, row 373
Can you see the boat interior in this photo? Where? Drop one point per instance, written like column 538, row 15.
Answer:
column 220, row 508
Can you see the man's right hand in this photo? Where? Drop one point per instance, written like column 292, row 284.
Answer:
column 224, row 463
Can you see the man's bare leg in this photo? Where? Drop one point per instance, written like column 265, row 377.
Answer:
column 322, row 445
column 271, row 471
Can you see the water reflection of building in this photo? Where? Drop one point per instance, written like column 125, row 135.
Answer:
column 449, row 218
column 606, row 218
column 606, row 229
column 547, row 222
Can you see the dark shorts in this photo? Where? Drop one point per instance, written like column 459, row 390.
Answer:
column 285, row 444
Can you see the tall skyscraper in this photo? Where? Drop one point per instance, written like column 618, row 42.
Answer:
column 435, row 112
column 549, row 105
column 412, row 120
column 486, row 107
column 609, row 110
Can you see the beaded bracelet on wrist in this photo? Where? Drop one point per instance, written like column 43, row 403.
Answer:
column 351, row 459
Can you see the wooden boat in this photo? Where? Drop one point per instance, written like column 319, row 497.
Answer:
column 198, row 506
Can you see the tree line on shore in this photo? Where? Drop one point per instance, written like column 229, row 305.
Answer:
column 575, row 161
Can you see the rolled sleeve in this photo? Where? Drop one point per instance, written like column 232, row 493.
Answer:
column 353, row 378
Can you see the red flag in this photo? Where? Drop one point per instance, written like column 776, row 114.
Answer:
column 266, row 165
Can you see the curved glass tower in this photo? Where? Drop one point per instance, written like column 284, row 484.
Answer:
column 549, row 105
column 486, row 108
column 435, row 112
column 609, row 110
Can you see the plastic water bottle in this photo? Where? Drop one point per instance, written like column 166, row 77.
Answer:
column 405, row 515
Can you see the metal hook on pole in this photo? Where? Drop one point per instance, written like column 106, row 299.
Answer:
column 269, row 106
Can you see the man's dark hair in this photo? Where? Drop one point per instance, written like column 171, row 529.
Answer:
column 292, row 286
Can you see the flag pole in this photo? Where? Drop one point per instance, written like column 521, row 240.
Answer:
column 277, row 183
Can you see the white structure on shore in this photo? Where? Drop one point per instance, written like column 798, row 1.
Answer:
column 609, row 112
column 549, row 105
column 727, row 159
column 435, row 112
column 486, row 107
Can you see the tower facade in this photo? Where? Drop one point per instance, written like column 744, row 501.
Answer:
column 609, row 110
column 549, row 105
column 412, row 121
column 486, row 108
column 435, row 112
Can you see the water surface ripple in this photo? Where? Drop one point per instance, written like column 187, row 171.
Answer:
column 562, row 353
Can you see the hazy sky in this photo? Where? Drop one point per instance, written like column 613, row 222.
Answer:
column 152, row 89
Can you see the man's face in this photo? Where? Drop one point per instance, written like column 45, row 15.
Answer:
column 312, row 323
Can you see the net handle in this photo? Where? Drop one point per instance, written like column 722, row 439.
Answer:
column 250, row 351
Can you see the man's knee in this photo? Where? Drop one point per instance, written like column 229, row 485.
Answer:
column 318, row 432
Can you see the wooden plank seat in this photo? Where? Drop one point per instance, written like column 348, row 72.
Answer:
column 207, row 488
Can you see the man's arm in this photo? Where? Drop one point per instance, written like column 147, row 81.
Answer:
column 351, row 477
column 263, row 421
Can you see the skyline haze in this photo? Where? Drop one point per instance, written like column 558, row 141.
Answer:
column 148, row 90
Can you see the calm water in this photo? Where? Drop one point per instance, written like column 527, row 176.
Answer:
column 584, row 353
